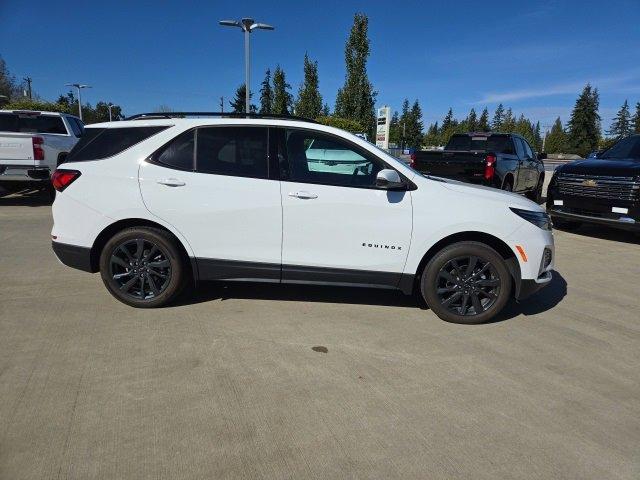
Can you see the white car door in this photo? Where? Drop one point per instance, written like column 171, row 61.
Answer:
column 219, row 196
column 337, row 226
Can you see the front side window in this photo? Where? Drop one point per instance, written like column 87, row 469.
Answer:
column 519, row 147
column 323, row 159
column 527, row 149
column 233, row 151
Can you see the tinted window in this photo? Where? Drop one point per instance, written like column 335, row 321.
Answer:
column 507, row 149
column 75, row 127
column 626, row 148
column 318, row 158
column 24, row 123
column 493, row 143
column 178, row 153
column 527, row 149
column 235, row 151
column 519, row 147
column 99, row 143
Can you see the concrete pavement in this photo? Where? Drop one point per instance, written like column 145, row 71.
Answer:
column 227, row 383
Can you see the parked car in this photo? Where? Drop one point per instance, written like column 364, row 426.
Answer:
column 33, row 144
column 500, row 160
column 155, row 201
column 603, row 190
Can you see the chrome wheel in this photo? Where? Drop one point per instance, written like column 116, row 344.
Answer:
column 467, row 285
column 140, row 269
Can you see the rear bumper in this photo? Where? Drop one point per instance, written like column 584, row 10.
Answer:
column 630, row 224
column 73, row 256
column 24, row 173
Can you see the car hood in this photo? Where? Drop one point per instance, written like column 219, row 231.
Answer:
column 489, row 194
column 603, row 166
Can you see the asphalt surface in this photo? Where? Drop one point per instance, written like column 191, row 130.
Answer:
column 255, row 381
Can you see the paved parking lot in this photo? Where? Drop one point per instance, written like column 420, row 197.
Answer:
column 227, row 384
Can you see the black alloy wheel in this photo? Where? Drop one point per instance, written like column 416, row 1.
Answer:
column 466, row 282
column 143, row 267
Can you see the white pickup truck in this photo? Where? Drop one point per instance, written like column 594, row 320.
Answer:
column 33, row 144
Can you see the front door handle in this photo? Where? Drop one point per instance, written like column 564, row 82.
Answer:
column 303, row 195
column 172, row 182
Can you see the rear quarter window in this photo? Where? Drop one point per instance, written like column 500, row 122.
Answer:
column 100, row 143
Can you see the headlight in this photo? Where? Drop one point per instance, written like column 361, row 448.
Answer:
column 539, row 219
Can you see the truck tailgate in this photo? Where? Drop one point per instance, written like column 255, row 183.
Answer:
column 16, row 149
column 467, row 166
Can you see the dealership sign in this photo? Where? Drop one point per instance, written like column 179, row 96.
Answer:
column 382, row 127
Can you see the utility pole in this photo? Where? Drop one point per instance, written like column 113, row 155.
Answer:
column 221, row 104
column 79, row 86
column 28, row 81
column 109, row 106
column 544, row 139
column 247, row 25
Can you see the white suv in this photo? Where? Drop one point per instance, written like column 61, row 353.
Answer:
column 157, row 201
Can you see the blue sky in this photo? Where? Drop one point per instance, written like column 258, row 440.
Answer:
column 532, row 56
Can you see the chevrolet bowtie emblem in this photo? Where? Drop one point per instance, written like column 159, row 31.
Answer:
column 590, row 183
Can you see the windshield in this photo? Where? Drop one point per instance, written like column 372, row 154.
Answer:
column 627, row 148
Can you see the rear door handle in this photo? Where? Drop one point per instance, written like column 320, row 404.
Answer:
column 304, row 195
column 172, row 182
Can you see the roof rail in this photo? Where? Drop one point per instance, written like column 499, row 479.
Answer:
column 269, row 116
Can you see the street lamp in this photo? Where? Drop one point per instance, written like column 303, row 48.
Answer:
column 109, row 106
column 247, row 25
column 79, row 86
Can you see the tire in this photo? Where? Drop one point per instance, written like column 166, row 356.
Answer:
column 565, row 224
column 143, row 267
column 507, row 185
column 486, row 288
column 536, row 193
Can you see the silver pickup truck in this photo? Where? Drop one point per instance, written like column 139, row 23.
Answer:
column 33, row 144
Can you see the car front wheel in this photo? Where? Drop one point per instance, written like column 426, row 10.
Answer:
column 143, row 267
column 467, row 282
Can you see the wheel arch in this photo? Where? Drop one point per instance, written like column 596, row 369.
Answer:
column 109, row 231
column 471, row 236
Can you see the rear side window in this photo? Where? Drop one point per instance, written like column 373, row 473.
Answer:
column 179, row 153
column 99, row 143
column 75, row 126
column 25, row 123
column 235, row 151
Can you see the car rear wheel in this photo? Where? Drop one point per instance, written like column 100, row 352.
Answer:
column 467, row 282
column 536, row 193
column 508, row 185
column 143, row 267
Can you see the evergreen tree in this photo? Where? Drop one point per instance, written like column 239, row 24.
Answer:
column 556, row 141
column 326, row 111
column 584, row 125
column 403, row 124
column 238, row 102
column 394, row 129
column 282, row 99
column 448, row 120
column 621, row 125
column 309, row 102
column 432, row 137
column 483, row 123
column 472, row 121
column 526, row 129
column 414, row 126
column 537, row 138
column 508, row 122
column 498, row 119
column 636, row 119
column 356, row 99
column 266, row 93
column 449, row 127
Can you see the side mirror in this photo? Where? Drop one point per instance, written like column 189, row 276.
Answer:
column 542, row 156
column 389, row 179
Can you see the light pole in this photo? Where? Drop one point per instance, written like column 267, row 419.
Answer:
column 109, row 107
column 247, row 25
column 79, row 86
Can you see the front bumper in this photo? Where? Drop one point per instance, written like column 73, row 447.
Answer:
column 73, row 256
column 24, row 173
column 622, row 222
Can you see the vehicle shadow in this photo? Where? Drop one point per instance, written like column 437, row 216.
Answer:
column 544, row 300
column 606, row 233
column 26, row 197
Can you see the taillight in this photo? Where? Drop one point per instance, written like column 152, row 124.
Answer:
column 38, row 152
column 412, row 157
column 61, row 179
column 490, row 167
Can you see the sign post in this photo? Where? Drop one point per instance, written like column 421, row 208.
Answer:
column 382, row 127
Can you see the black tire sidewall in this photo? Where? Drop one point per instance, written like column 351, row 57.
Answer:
column 430, row 272
column 165, row 241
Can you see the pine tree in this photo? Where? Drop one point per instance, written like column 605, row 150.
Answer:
column 238, row 102
column 508, row 122
column 394, row 129
column 266, row 93
column 472, row 121
column 537, row 138
column 448, row 120
column 584, row 125
column 449, row 126
column 636, row 119
column 403, row 124
column 356, row 99
column 498, row 119
column 326, row 111
column 414, row 126
column 432, row 137
column 556, row 141
column 309, row 102
column 483, row 122
column 282, row 99
column 621, row 125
